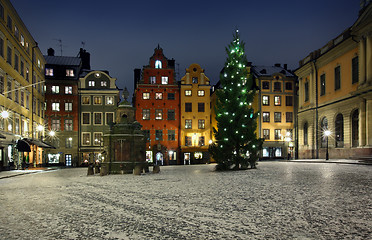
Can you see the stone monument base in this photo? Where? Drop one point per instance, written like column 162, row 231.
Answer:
column 124, row 167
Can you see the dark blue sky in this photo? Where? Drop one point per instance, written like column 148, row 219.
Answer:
column 121, row 36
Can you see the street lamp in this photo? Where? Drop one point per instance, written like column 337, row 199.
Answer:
column 327, row 133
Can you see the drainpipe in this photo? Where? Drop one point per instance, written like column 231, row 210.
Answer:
column 316, row 110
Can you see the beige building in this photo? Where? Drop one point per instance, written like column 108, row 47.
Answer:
column 335, row 95
column 21, row 92
column 195, row 116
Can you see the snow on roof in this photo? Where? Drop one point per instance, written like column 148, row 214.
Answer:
column 270, row 70
column 62, row 60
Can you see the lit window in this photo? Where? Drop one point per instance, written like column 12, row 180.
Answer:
column 266, row 134
column 49, row 71
column 277, row 100
column 56, row 124
column 68, row 124
column 158, row 95
column 97, row 100
column 103, row 83
column 68, row 90
column 55, row 106
column 188, row 123
column 86, row 139
column 146, row 114
column 266, row 117
column 201, row 143
column 86, row 100
column 68, row 107
column 201, row 124
column 69, row 142
column 201, row 93
column 146, row 95
column 22, row 40
column 265, row 100
column 188, row 92
column 277, row 134
column 164, row 80
column 158, row 64
column 158, row 114
column 97, row 137
column 152, row 79
column 91, row 83
column 277, row 116
column 70, row 73
column 109, row 100
column 55, row 89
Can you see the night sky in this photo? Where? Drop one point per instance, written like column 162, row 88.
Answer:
column 122, row 35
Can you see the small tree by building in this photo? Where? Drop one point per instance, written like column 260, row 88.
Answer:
column 236, row 144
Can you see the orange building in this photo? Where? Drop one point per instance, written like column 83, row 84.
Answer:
column 156, row 99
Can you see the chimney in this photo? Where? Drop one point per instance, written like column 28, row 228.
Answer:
column 137, row 76
column 50, row 52
column 277, row 64
column 285, row 66
column 85, row 59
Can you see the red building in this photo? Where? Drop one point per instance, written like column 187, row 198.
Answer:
column 156, row 99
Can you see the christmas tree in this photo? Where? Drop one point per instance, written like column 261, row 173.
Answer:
column 236, row 145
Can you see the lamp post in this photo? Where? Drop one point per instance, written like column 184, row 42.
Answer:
column 326, row 134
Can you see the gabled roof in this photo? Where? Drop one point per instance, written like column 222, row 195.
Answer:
column 61, row 60
column 260, row 71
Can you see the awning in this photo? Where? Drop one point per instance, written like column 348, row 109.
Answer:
column 23, row 146
column 39, row 143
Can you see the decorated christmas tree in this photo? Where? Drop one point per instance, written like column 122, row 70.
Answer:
column 236, row 144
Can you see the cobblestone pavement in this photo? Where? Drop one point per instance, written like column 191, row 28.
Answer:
column 279, row 200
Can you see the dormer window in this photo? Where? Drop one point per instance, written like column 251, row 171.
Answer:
column 70, row 72
column 158, row 64
column 91, row 84
column 49, row 71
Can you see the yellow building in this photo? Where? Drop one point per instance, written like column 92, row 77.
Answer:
column 276, row 103
column 335, row 95
column 195, row 116
column 21, row 92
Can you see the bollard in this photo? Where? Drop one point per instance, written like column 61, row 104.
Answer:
column 137, row 170
column 103, row 170
column 90, row 169
column 156, row 169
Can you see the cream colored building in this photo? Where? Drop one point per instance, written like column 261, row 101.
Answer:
column 21, row 91
column 335, row 94
column 195, row 116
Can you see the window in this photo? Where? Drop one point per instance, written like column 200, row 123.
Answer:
column 56, row 124
column 22, row 70
column 188, row 107
column 266, row 117
column 85, row 100
column 201, row 123
column 266, row 134
column 147, row 134
column 1, row 11
column 109, row 118
column 288, row 100
column 306, row 128
column 159, row 135
column 306, row 91
column 97, row 100
column 103, row 83
column 68, row 125
column 16, row 31
column 201, row 107
column 10, row 23
column 164, row 80
column 22, row 40
column 1, row 47
column 145, row 95
column 68, row 159
column 188, row 92
column 1, row 85
column 55, row 106
column 69, row 142
column 194, row 80
column 188, row 124
column 171, row 135
column 158, row 64
column 49, row 72
column 289, row 116
column 109, row 100
column 322, row 84
column 355, row 70
column 86, row 118
column 70, row 73
column 9, row 88
column 171, row 114
column 55, row 89
column 158, row 114
column 265, row 100
column 277, row 116
column 16, row 62
column 97, row 137
column 22, row 98
column 68, row 90
column 91, row 83
column 355, row 128
column 68, row 106
column 201, row 143
column 146, row 114
column 98, row 118
column 277, row 86
column 9, row 55
column 187, row 141
column 323, row 128
column 339, row 130
column 277, row 134
column 153, row 80
column 288, row 86
column 158, row 96
column 171, row 96
column 201, row 93
column 16, row 92
column 337, row 77
column 277, row 101
column 265, row 85
column 86, row 139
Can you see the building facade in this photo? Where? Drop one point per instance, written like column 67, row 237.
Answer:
column 335, row 95
column 62, row 108
column 99, row 97
column 156, row 99
column 195, row 116
column 21, row 92
column 276, row 101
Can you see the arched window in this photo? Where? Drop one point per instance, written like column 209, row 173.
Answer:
column 158, row 64
column 324, row 127
column 339, row 130
column 306, row 142
column 355, row 128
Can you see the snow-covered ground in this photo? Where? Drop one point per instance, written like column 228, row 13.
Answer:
column 279, row 200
